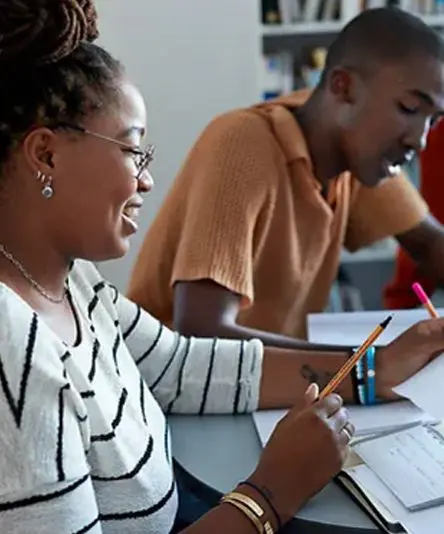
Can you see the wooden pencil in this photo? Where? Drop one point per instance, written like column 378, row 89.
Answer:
column 352, row 361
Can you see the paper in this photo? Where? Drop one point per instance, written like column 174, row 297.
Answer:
column 352, row 328
column 385, row 417
column 367, row 419
column 429, row 521
column 265, row 421
column 410, row 463
column 426, row 388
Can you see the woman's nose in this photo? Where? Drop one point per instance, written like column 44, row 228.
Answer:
column 145, row 182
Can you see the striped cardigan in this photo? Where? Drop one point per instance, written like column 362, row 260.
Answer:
column 83, row 438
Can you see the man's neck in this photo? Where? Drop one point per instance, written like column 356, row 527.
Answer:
column 321, row 140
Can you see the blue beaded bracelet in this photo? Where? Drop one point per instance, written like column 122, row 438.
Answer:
column 362, row 394
column 371, row 376
column 366, row 378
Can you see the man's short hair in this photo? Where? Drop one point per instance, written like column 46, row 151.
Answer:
column 382, row 35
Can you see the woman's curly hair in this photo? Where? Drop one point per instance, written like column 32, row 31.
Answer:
column 50, row 70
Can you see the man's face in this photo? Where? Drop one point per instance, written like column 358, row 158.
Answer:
column 385, row 119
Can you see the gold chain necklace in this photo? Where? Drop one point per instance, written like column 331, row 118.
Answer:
column 29, row 278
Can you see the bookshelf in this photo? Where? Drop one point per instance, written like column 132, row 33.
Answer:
column 329, row 26
column 299, row 26
column 317, row 27
column 301, row 13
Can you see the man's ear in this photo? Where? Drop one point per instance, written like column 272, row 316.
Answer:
column 341, row 83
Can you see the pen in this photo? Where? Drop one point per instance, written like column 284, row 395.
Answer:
column 424, row 300
column 351, row 362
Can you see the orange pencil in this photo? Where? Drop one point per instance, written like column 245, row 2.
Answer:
column 351, row 362
column 424, row 300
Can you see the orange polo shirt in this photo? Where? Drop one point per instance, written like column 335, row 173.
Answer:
column 399, row 294
column 246, row 211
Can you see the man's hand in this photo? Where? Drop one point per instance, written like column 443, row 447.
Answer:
column 407, row 354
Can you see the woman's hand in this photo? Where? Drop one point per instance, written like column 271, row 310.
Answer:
column 407, row 354
column 306, row 450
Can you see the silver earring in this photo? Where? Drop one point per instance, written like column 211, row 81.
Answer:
column 47, row 189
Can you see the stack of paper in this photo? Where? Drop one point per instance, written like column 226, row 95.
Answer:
column 410, row 463
column 429, row 521
column 352, row 328
column 404, row 473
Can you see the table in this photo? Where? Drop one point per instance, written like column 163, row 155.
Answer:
column 217, row 451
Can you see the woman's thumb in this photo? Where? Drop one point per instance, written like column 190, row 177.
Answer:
column 312, row 393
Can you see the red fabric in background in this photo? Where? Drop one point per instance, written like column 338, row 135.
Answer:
column 398, row 294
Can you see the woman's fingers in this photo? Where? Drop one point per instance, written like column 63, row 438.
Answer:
column 346, row 434
column 311, row 394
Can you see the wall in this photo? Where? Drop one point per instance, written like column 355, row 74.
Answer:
column 191, row 59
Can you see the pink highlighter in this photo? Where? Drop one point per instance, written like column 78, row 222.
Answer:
column 424, row 299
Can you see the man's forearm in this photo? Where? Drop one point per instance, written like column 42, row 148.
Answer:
column 235, row 331
column 425, row 245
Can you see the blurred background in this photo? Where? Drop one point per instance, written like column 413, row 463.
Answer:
column 193, row 59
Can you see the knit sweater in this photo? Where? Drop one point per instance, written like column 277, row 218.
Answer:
column 247, row 212
column 84, row 442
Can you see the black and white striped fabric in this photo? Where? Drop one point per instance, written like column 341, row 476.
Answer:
column 84, row 445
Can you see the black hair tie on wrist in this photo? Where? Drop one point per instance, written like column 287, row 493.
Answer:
column 266, row 499
column 355, row 383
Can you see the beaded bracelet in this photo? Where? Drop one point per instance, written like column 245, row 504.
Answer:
column 366, row 378
column 362, row 390
column 371, row 376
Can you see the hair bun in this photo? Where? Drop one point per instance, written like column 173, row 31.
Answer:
column 44, row 31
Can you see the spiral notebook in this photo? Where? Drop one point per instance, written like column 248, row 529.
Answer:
column 396, row 477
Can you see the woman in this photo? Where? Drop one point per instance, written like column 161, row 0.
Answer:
column 84, row 443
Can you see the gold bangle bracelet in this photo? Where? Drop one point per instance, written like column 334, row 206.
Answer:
column 246, row 512
column 253, row 507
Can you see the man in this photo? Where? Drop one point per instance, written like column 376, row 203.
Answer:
column 399, row 294
column 248, row 240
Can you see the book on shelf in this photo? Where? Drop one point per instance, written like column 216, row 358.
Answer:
column 294, row 11
column 308, row 11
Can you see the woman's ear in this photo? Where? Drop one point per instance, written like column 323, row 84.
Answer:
column 39, row 148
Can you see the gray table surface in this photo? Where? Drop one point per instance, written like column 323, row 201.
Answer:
column 221, row 450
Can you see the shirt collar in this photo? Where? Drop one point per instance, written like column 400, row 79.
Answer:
column 287, row 131
column 290, row 137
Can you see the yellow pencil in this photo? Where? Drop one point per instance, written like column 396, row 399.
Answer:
column 351, row 362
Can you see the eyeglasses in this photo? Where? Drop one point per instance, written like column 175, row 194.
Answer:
column 142, row 158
